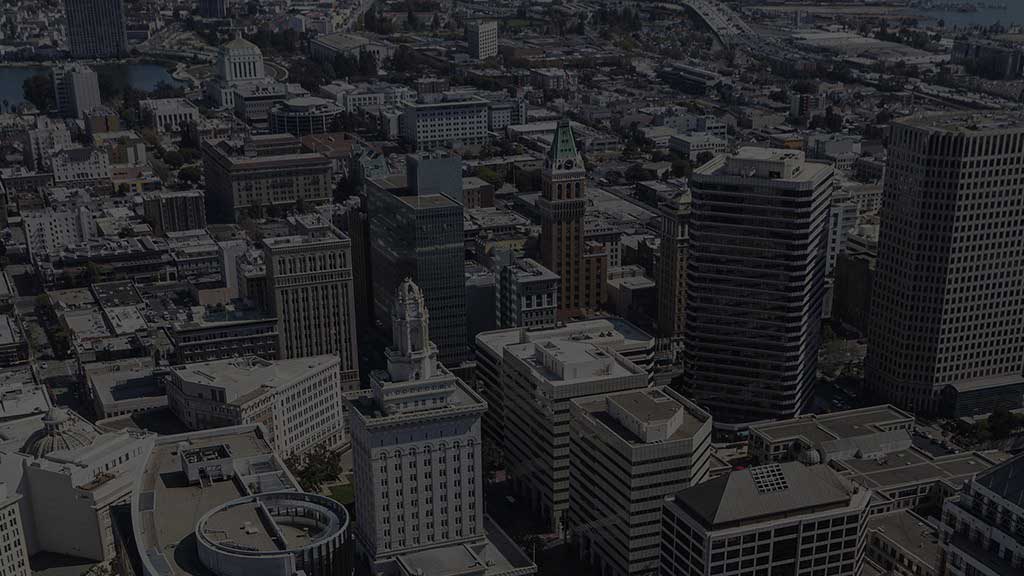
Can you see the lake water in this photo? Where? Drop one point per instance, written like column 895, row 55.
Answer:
column 1012, row 14
column 141, row 76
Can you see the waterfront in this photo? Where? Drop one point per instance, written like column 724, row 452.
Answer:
column 140, row 76
column 1012, row 14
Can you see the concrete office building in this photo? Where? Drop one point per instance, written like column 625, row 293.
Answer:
column 174, row 211
column 77, row 90
column 456, row 119
column 628, row 451
column 617, row 334
column 981, row 526
column 14, row 553
column 771, row 519
column 539, row 380
column 96, row 28
column 755, row 283
column 207, row 339
column 221, row 502
column 674, row 237
column 562, row 206
column 298, row 401
column 482, row 38
column 526, row 295
column 309, row 282
column 417, row 233
column 305, row 115
column 263, row 174
column 947, row 309
column 417, row 462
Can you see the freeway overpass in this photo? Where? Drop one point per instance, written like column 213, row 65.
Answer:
column 723, row 21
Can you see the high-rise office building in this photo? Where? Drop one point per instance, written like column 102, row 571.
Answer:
column 309, row 285
column 772, row 519
column 417, row 462
column 482, row 38
column 77, row 90
column 416, row 233
column 755, row 281
column 674, row 236
column 628, row 451
column 539, row 380
column 562, row 207
column 96, row 28
column 947, row 303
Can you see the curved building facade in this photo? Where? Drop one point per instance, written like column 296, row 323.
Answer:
column 275, row 533
column 304, row 115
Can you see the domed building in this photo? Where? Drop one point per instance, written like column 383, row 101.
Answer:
column 61, row 431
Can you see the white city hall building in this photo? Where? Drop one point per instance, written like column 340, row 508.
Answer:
column 417, row 463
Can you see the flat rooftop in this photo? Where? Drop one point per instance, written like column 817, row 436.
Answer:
column 245, row 378
column 573, row 361
column 909, row 466
column 494, row 554
column 816, row 429
column 616, row 331
column 167, row 508
column 911, row 533
column 650, row 406
column 20, row 396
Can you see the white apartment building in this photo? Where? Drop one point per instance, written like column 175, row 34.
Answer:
column 416, row 448
column 76, row 88
column 50, row 230
column 983, row 526
column 482, row 37
column 169, row 114
column 628, row 451
column 298, row 401
column 460, row 120
column 772, row 519
column 73, row 166
column 691, row 146
column 42, row 141
column 539, row 380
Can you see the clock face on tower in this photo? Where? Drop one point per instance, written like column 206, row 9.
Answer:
column 568, row 164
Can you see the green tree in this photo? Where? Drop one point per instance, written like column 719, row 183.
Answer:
column 316, row 468
column 38, row 89
column 490, row 176
column 190, row 175
column 174, row 159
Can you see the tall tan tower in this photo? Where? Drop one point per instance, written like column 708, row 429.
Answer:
column 562, row 207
